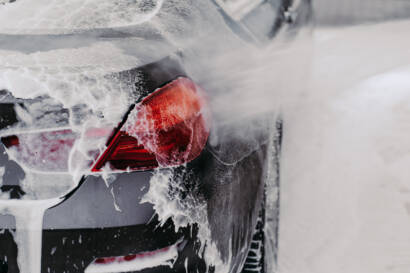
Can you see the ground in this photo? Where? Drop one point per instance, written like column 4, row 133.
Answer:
column 345, row 168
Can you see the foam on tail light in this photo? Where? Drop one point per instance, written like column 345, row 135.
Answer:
column 167, row 128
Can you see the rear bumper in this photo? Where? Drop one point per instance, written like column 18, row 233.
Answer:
column 72, row 251
column 88, row 224
column 97, row 221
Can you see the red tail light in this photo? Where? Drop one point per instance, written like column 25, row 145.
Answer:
column 169, row 127
column 44, row 151
column 136, row 262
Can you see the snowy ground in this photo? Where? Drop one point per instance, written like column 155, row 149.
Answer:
column 346, row 156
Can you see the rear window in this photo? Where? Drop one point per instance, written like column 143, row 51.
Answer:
column 237, row 9
column 258, row 18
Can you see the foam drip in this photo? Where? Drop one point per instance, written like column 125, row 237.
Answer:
column 163, row 193
column 29, row 227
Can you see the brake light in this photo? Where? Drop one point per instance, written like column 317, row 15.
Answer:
column 44, row 151
column 136, row 262
column 130, row 257
column 169, row 127
column 51, row 150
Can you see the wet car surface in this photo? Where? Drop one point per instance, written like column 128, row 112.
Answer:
column 102, row 195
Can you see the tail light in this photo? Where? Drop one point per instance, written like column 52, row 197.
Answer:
column 43, row 151
column 136, row 262
column 167, row 128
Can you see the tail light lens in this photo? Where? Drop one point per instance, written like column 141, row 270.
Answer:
column 136, row 262
column 43, row 151
column 169, row 127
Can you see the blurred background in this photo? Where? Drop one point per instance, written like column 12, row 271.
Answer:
column 349, row 12
column 345, row 177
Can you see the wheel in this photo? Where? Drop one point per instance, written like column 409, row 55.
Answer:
column 3, row 267
column 256, row 255
column 263, row 252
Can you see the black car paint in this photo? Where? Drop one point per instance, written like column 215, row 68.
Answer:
column 87, row 225
column 233, row 193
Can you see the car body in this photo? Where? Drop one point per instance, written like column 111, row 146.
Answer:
column 70, row 201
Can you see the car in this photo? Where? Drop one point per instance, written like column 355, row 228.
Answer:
column 112, row 156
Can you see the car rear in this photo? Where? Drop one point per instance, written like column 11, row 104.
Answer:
column 111, row 157
column 89, row 221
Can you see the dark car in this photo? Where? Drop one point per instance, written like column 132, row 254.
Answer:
column 112, row 158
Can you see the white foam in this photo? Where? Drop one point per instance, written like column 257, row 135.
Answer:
column 29, row 227
column 163, row 193
column 43, row 16
column 70, row 77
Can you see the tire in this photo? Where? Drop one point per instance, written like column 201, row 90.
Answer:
column 3, row 267
column 255, row 260
column 263, row 251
